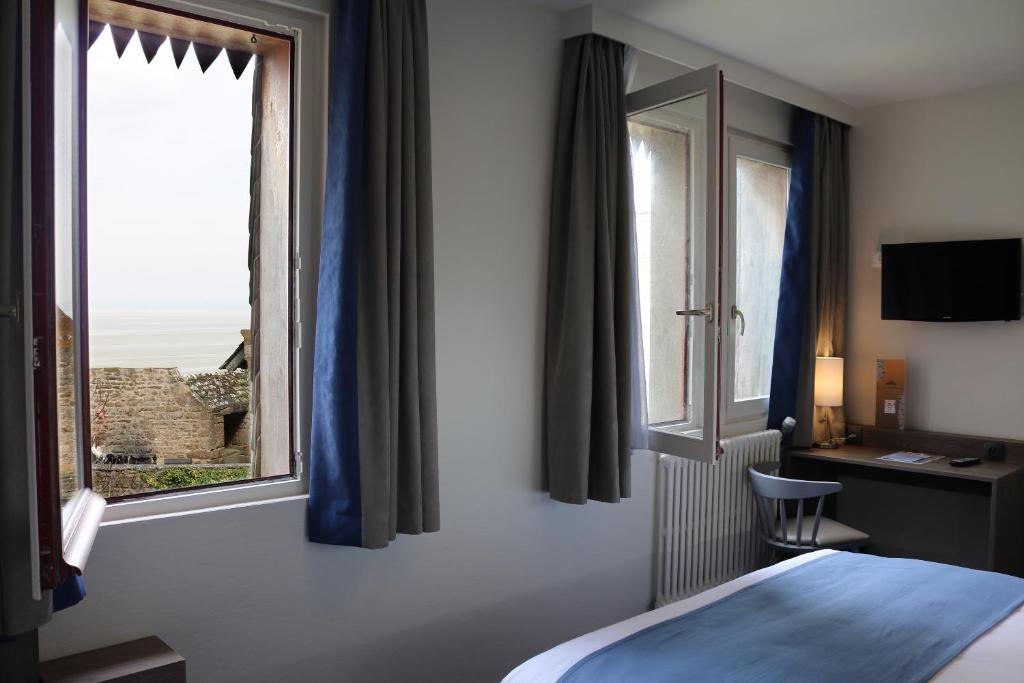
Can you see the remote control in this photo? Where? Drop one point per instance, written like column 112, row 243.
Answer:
column 964, row 462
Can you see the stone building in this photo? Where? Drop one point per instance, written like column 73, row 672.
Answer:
column 152, row 417
column 159, row 416
column 67, row 427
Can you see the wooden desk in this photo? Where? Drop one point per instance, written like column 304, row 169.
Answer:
column 146, row 660
column 970, row 516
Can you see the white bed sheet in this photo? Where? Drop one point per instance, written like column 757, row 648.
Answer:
column 996, row 656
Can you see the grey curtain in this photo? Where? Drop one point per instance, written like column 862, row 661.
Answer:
column 395, row 330
column 824, row 331
column 591, row 309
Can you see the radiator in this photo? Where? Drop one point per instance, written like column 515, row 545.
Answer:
column 707, row 522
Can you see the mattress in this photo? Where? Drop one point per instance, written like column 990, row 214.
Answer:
column 995, row 656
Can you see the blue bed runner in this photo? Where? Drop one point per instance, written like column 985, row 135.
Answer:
column 841, row 617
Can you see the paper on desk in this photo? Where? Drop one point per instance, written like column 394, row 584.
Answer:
column 910, row 457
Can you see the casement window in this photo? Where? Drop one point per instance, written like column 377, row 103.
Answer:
column 668, row 201
column 667, row 198
column 163, row 258
column 757, row 199
column 710, row 209
column 674, row 131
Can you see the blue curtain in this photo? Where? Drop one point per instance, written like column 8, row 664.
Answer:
column 68, row 592
column 334, row 492
column 373, row 456
column 796, row 254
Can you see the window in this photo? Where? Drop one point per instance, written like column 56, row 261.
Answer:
column 756, row 227
column 661, row 152
column 695, row 385
column 673, row 127
column 172, row 254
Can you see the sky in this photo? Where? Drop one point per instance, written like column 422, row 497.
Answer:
column 168, row 182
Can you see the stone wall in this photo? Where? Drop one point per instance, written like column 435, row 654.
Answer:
column 150, row 412
column 66, row 425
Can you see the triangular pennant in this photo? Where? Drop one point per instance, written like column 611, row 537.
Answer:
column 95, row 29
column 206, row 54
column 179, row 48
column 122, row 36
column 150, row 42
column 238, row 59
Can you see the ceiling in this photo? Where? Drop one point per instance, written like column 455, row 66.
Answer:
column 862, row 52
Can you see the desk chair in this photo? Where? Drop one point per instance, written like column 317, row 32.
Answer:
column 791, row 536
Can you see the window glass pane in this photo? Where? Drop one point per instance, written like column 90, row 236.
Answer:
column 65, row 248
column 170, row 320
column 762, row 193
column 664, row 143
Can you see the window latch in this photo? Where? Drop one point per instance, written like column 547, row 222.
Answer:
column 708, row 312
column 737, row 313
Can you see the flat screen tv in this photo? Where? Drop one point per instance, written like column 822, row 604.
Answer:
column 964, row 281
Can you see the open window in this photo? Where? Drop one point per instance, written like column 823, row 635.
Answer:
column 68, row 511
column 189, row 263
column 676, row 132
column 160, row 259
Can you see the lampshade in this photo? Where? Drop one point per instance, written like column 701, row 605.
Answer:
column 828, row 381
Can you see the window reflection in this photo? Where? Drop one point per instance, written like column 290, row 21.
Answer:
column 66, row 249
column 762, row 192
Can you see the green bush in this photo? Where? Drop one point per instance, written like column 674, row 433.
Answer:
column 184, row 476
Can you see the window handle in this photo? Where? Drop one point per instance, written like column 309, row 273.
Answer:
column 10, row 311
column 737, row 313
column 708, row 312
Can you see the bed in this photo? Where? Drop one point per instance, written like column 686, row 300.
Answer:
column 877, row 619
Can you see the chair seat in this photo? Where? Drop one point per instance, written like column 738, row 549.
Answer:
column 830, row 533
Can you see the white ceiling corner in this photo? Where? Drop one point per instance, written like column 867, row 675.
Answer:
column 863, row 52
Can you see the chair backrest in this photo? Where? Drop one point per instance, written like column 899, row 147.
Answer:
column 770, row 495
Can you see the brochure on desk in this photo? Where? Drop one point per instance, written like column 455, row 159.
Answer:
column 910, row 458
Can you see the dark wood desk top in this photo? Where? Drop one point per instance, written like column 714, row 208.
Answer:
column 986, row 471
column 146, row 660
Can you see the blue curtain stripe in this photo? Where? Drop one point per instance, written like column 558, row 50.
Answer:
column 796, row 254
column 68, row 592
column 335, row 501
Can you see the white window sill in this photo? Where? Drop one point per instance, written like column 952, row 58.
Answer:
column 204, row 500
column 745, row 425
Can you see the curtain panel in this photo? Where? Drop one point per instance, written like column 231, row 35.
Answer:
column 373, row 459
column 812, row 297
column 593, row 379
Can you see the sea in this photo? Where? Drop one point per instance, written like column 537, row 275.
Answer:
column 190, row 341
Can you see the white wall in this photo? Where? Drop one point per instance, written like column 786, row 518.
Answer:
column 948, row 167
column 243, row 596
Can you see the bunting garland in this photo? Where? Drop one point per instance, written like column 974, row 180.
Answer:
column 151, row 43
column 205, row 54
column 122, row 36
column 179, row 48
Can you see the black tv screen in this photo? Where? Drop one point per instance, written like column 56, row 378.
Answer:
column 952, row 281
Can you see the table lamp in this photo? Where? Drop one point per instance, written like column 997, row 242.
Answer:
column 828, row 389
